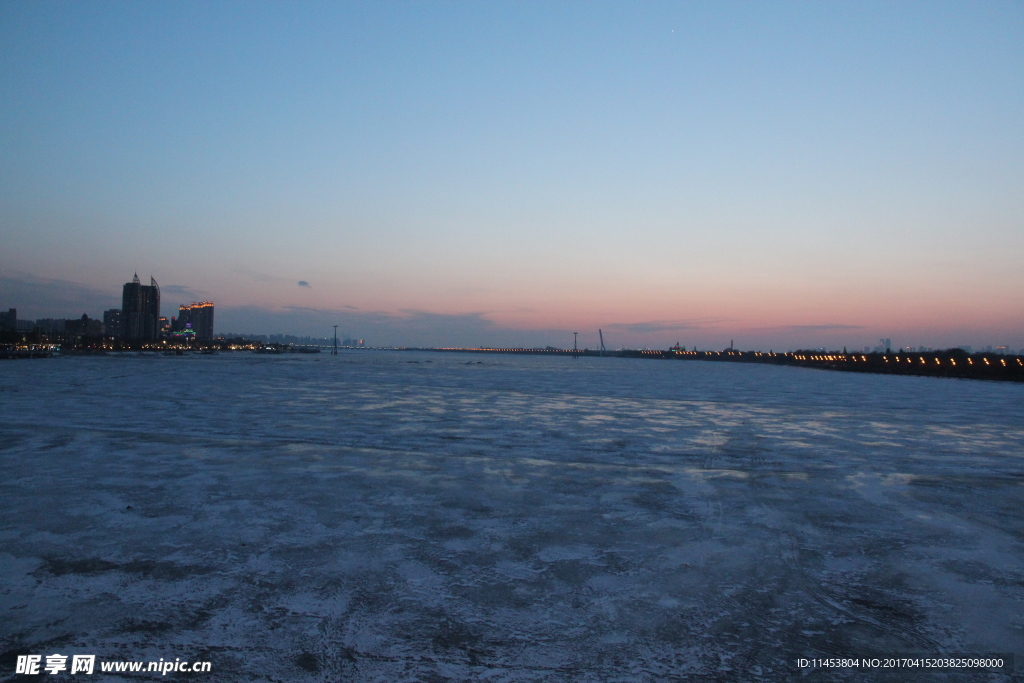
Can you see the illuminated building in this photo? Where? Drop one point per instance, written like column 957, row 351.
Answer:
column 112, row 323
column 197, row 316
column 140, row 310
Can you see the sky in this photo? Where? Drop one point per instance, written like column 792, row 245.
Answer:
column 787, row 175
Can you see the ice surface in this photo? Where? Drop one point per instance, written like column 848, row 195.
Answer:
column 400, row 516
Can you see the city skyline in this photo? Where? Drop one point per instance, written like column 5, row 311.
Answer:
column 790, row 176
column 198, row 317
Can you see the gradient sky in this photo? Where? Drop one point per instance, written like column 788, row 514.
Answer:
column 464, row 173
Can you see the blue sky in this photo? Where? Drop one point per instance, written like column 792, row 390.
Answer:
column 786, row 174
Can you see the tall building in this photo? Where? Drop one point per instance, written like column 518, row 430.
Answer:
column 112, row 323
column 140, row 310
column 197, row 316
column 9, row 320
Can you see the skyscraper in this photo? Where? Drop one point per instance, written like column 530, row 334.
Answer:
column 198, row 316
column 140, row 310
column 112, row 323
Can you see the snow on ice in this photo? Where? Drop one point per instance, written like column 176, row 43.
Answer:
column 407, row 516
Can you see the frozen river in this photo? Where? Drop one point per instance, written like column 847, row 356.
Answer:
column 401, row 516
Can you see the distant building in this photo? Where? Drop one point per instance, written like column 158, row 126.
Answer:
column 9, row 320
column 51, row 325
column 112, row 326
column 84, row 327
column 197, row 316
column 884, row 346
column 140, row 310
column 182, row 321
